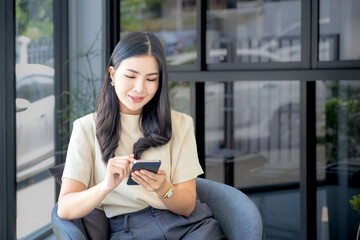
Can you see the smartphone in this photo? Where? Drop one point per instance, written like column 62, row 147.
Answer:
column 150, row 165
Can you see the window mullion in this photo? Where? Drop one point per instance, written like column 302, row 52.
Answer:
column 7, row 126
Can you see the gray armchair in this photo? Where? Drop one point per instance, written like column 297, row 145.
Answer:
column 237, row 215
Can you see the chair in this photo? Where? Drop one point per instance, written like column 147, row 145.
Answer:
column 237, row 215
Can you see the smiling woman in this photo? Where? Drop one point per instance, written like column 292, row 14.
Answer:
column 136, row 82
column 133, row 120
column 135, row 61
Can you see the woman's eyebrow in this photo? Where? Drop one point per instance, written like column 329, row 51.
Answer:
column 149, row 74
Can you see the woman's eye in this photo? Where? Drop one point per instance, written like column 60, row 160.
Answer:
column 131, row 77
column 152, row 80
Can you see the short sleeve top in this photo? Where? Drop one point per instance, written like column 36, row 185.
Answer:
column 84, row 160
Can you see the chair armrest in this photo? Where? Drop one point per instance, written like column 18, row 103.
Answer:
column 66, row 230
column 237, row 215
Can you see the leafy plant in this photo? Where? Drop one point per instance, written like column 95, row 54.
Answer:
column 355, row 203
column 83, row 98
column 129, row 15
column 34, row 18
column 349, row 109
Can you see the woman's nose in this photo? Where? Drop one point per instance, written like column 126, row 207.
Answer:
column 139, row 85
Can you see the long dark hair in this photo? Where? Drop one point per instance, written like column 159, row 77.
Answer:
column 155, row 118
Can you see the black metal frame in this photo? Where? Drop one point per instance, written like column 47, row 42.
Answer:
column 307, row 72
column 308, row 160
column 314, row 26
column 112, row 25
column 7, row 105
column 7, row 126
column 266, row 75
column 61, row 81
column 199, row 97
column 61, row 84
column 306, row 22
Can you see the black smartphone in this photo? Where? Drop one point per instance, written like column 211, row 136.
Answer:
column 150, row 165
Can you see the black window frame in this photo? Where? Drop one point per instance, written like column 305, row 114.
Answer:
column 8, row 186
column 307, row 71
column 7, row 126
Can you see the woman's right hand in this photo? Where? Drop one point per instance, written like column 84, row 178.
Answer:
column 117, row 169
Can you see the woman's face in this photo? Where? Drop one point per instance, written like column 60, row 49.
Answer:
column 136, row 81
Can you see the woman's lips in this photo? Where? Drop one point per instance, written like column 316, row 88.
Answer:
column 135, row 98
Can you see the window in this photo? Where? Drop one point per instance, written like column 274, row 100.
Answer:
column 339, row 31
column 179, row 94
column 252, row 141
column 253, row 31
column 173, row 22
column 35, row 118
column 338, row 162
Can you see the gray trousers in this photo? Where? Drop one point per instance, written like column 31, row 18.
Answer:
column 151, row 223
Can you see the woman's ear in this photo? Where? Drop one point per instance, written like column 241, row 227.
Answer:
column 112, row 72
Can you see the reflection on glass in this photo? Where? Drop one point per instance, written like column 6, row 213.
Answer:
column 339, row 30
column 253, row 31
column 267, row 131
column 34, row 114
column 173, row 22
column 179, row 94
column 252, row 138
column 338, row 140
column 214, row 131
column 252, row 129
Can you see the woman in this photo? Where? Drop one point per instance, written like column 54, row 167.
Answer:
column 133, row 120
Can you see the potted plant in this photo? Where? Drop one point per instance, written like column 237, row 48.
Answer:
column 355, row 203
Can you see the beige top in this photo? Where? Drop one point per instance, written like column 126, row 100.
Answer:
column 84, row 160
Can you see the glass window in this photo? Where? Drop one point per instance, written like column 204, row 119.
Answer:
column 339, row 30
column 338, row 162
column 173, row 22
column 254, row 127
column 179, row 94
column 34, row 86
column 253, row 31
column 252, row 133
column 35, row 114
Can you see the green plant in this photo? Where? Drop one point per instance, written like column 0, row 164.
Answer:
column 83, row 96
column 34, row 19
column 347, row 107
column 355, row 202
column 129, row 15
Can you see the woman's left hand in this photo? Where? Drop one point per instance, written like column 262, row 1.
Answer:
column 182, row 201
column 151, row 181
